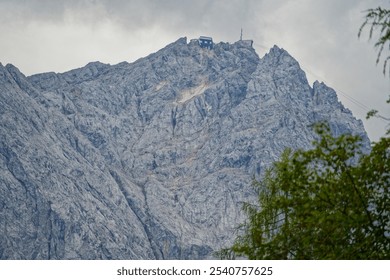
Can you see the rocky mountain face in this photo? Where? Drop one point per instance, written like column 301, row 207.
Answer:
column 151, row 159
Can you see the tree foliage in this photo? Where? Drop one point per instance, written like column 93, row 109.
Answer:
column 378, row 19
column 330, row 202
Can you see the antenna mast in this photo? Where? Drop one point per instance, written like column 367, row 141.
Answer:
column 241, row 35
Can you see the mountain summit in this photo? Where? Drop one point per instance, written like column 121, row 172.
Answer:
column 151, row 159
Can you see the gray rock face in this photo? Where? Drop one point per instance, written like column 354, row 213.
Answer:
column 148, row 160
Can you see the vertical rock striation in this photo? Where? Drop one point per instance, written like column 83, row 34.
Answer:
column 148, row 160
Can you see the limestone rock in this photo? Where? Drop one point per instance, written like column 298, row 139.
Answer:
column 151, row 159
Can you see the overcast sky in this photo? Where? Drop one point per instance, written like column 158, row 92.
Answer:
column 57, row 35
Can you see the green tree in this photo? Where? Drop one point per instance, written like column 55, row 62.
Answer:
column 330, row 202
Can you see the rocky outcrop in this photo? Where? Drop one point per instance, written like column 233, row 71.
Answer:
column 151, row 159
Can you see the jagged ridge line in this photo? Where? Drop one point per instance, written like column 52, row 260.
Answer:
column 347, row 96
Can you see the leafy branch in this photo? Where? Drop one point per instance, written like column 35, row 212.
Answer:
column 378, row 18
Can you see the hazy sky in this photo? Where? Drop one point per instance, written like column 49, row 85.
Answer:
column 57, row 35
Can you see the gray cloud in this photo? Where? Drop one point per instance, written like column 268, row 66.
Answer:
column 55, row 35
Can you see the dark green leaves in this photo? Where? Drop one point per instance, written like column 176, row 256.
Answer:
column 330, row 202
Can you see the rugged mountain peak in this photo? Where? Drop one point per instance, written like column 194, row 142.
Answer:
column 276, row 51
column 282, row 61
column 4, row 71
column 181, row 41
column 150, row 159
column 12, row 68
column 16, row 74
column 322, row 94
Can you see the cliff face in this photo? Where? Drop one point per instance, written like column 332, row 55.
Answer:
column 151, row 159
